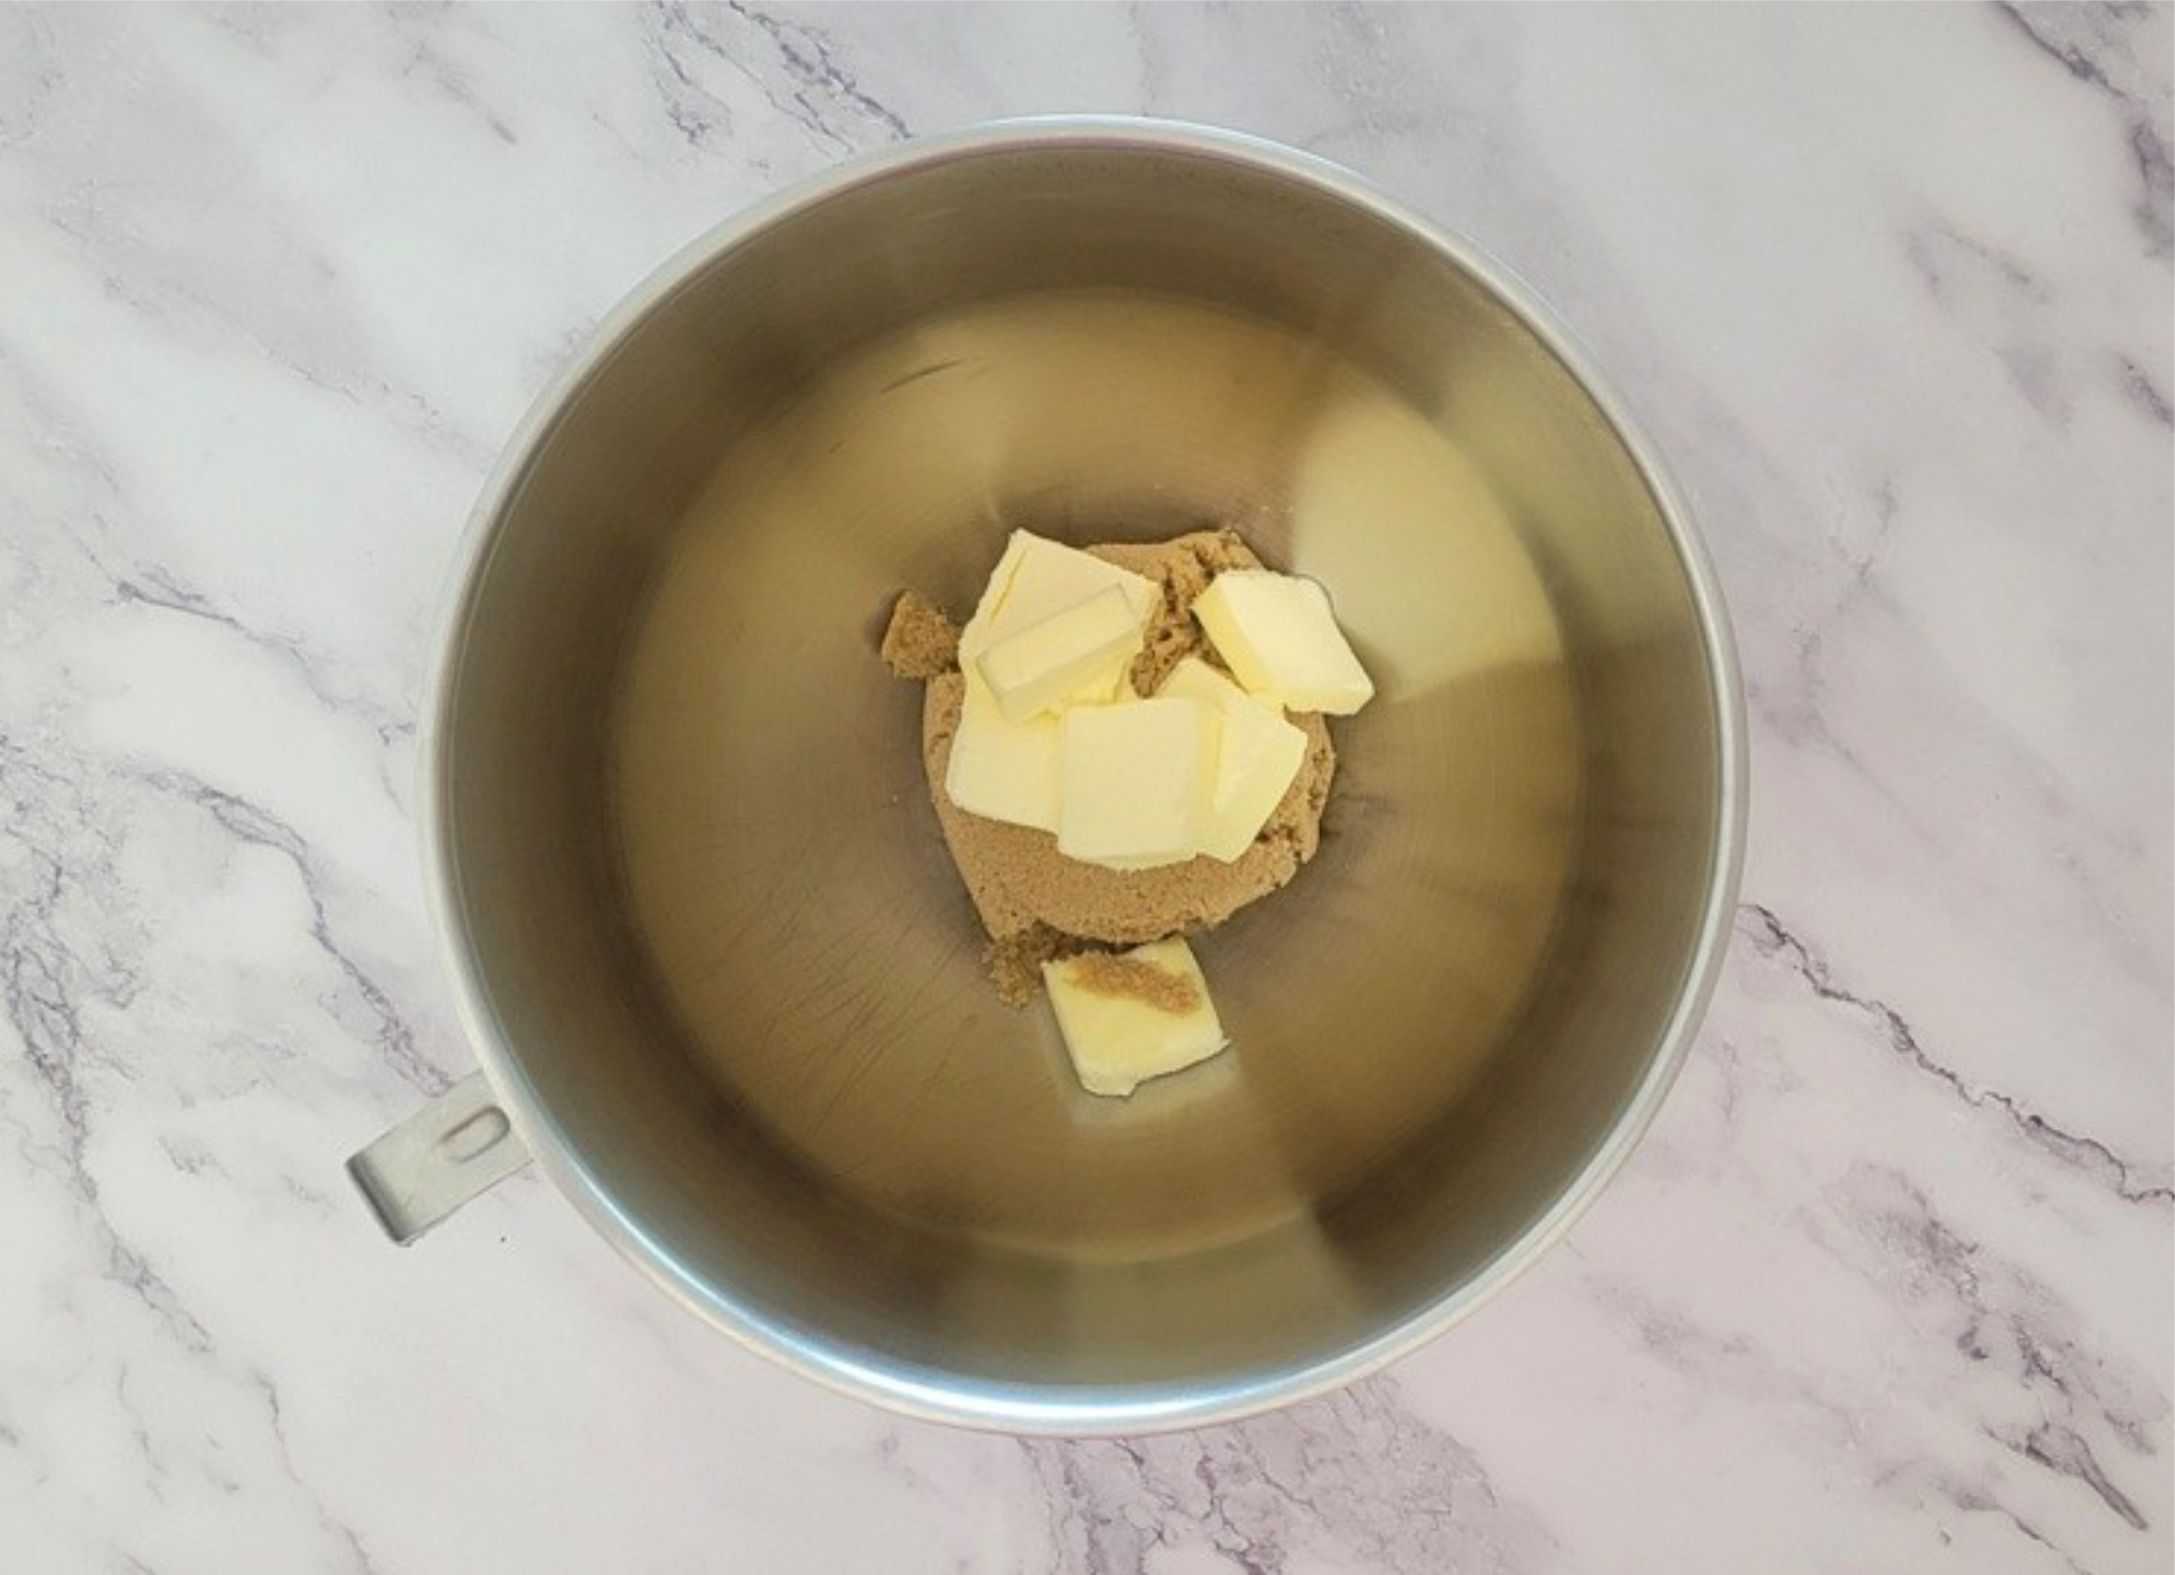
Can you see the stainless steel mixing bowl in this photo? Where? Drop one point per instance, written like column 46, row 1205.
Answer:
column 706, row 938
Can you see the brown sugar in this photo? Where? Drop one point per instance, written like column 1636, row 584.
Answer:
column 1113, row 973
column 1015, row 961
column 1037, row 904
column 920, row 641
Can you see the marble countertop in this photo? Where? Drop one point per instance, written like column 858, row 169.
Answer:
column 1887, row 1288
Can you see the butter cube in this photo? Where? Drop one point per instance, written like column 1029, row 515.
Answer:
column 1084, row 648
column 1037, row 579
column 1002, row 770
column 974, row 636
column 1130, row 1016
column 1136, row 781
column 1277, row 634
column 1260, row 754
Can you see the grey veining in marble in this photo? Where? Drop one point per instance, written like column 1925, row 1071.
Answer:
column 1887, row 1288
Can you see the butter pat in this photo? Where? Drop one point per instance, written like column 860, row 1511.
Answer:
column 1277, row 634
column 1130, row 1016
column 1084, row 648
column 1136, row 781
column 1037, row 579
column 1259, row 755
column 1002, row 770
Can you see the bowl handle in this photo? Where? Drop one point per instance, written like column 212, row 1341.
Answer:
column 446, row 1153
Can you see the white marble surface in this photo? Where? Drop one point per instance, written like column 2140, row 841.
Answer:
column 1888, row 1288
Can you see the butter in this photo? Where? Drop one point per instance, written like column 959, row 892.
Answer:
column 1259, row 756
column 1006, row 770
column 999, row 769
column 1086, row 648
column 1278, row 636
column 1130, row 1016
column 1037, row 579
column 1136, row 781
column 974, row 636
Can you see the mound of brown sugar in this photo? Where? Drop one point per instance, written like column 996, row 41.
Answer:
column 1038, row 904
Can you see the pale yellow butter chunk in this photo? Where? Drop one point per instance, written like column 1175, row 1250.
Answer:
column 1278, row 636
column 1259, row 755
column 1087, row 647
column 1037, row 579
column 1135, row 781
column 1003, row 770
column 1130, row 1016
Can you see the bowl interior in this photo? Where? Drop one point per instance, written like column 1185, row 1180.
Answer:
column 704, row 891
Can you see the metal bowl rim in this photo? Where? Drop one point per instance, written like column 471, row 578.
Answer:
column 1016, row 1407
